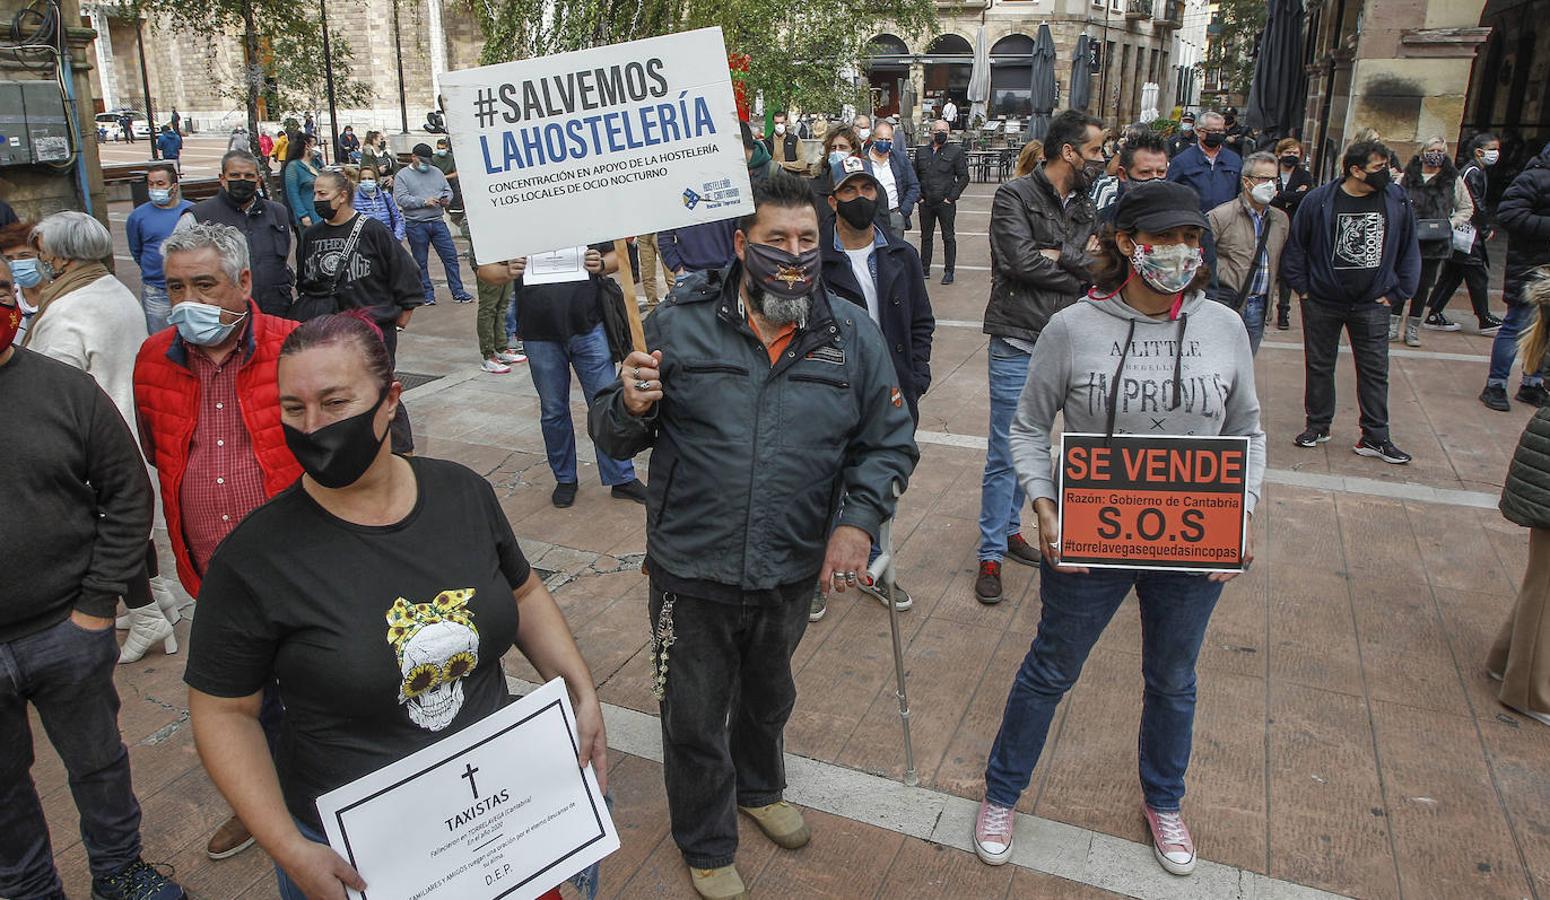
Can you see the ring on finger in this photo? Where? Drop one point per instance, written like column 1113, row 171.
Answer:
column 643, row 385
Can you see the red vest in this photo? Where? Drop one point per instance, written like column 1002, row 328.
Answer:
column 167, row 402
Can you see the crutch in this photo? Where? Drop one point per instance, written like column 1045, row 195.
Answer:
column 882, row 572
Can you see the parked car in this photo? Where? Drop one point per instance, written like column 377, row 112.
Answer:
column 108, row 128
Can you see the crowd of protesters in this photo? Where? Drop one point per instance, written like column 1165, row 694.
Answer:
column 255, row 374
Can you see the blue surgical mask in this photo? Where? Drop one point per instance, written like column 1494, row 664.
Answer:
column 200, row 323
column 27, row 272
column 368, row 187
column 422, row 167
column 883, row 146
column 160, row 196
column 837, row 156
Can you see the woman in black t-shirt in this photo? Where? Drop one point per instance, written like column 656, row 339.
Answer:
column 380, row 591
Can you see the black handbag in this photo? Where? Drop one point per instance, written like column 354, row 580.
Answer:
column 1433, row 230
column 616, row 319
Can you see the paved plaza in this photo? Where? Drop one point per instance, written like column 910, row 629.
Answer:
column 1348, row 740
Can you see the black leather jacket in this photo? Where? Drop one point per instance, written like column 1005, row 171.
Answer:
column 943, row 172
column 1027, row 287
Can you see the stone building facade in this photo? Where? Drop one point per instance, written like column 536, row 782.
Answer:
column 1400, row 67
column 197, row 74
column 1142, row 41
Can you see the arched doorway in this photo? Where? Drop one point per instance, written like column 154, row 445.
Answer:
column 949, row 62
column 1011, row 77
column 888, row 68
column 1505, row 97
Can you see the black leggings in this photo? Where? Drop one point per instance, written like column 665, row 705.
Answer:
column 1470, row 270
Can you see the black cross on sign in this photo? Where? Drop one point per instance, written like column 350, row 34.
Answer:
column 468, row 772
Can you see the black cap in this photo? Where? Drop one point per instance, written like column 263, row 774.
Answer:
column 1187, row 117
column 1157, row 206
column 422, row 150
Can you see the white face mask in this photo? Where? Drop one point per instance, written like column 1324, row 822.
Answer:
column 780, row 127
column 1489, row 157
column 1263, row 193
column 863, row 133
column 1167, row 268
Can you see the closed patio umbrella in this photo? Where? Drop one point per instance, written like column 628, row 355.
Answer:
column 1278, row 91
column 1081, row 75
column 1043, row 83
column 979, row 77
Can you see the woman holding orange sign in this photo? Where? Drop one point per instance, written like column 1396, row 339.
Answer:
column 1146, row 355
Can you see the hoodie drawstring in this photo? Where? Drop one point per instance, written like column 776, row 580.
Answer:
column 1178, row 361
column 1119, row 372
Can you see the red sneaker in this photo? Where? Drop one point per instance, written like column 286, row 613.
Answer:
column 1171, row 843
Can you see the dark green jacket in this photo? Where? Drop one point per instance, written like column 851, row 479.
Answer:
column 750, row 459
column 1526, row 496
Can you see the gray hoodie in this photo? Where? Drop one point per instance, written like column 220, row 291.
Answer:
column 1193, row 375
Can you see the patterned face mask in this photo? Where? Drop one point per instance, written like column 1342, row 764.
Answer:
column 1168, row 268
column 1434, row 158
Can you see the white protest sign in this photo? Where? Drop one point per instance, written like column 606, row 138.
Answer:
column 598, row 144
column 497, row 810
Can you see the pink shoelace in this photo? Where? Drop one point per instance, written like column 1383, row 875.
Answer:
column 1174, row 834
column 997, row 822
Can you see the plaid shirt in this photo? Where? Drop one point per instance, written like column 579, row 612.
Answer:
column 222, row 482
column 1259, row 278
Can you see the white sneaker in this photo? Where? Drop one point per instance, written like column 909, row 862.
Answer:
column 511, row 356
column 494, row 366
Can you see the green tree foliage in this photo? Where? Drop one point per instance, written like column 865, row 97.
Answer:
column 1234, row 33
column 282, row 58
column 799, row 52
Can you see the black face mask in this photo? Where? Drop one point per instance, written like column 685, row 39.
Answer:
column 1290, row 160
column 777, row 272
column 324, row 209
column 939, row 138
column 858, row 212
column 337, row 455
column 241, row 191
column 1213, row 139
column 1378, row 180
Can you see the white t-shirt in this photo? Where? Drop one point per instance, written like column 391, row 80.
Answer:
column 883, row 172
column 949, row 112
column 863, row 273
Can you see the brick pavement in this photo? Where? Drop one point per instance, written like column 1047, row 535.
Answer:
column 1347, row 738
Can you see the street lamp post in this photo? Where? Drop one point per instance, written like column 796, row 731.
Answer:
column 328, row 80
column 398, row 51
column 145, row 83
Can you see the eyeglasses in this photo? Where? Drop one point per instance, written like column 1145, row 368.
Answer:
column 1259, row 179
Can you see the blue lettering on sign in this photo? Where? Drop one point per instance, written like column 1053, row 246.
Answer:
column 597, row 135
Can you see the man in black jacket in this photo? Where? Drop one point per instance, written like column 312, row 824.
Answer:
column 765, row 399
column 784, row 146
column 76, row 514
column 1524, row 212
column 943, row 172
column 1041, row 228
column 1351, row 255
column 265, row 223
column 865, row 263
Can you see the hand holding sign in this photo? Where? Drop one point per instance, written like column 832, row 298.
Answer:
column 1049, row 540
column 641, row 375
column 319, row 871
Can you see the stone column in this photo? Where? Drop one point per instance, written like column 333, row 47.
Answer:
column 99, row 21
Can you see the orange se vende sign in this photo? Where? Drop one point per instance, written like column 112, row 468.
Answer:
column 1134, row 502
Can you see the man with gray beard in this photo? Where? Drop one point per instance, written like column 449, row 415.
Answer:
column 765, row 400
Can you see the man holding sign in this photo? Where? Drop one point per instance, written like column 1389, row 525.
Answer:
column 766, row 399
column 1153, row 373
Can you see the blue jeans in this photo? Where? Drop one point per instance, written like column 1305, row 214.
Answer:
column 154, row 301
column 434, row 233
column 1001, row 495
column 1253, row 315
column 1504, row 350
column 66, row 673
column 1175, row 609
column 511, row 322
column 550, row 363
column 288, row 888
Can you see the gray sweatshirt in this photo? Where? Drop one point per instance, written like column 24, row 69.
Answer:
column 1202, row 359
column 417, row 192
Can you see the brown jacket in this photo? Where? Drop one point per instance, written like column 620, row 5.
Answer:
column 1232, row 224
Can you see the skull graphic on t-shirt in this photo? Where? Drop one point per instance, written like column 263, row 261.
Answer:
column 437, row 645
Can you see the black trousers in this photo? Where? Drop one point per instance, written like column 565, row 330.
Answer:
column 1367, row 325
column 1472, row 270
column 932, row 213
column 1423, row 289
column 727, row 697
